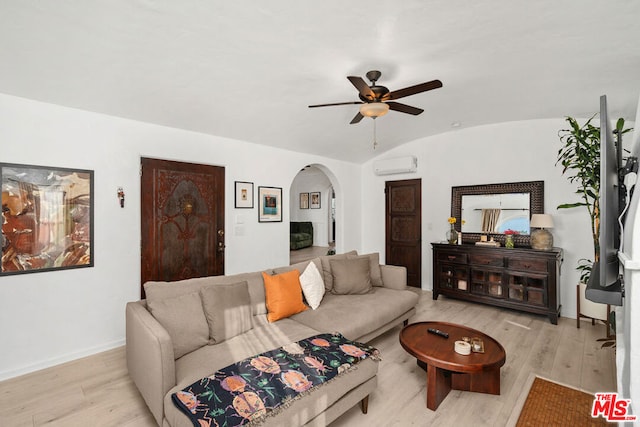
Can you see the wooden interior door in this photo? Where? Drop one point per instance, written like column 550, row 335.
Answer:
column 182, row 217
column 403, row 242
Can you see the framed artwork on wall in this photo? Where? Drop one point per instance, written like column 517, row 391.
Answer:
column 269, row 204
column 315, row 200
column 244, row 195
column 304, row 200
column 47, row 218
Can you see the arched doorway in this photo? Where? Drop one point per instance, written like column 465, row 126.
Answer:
column 312, row 201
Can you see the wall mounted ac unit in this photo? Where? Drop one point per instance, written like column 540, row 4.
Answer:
column 405, row 164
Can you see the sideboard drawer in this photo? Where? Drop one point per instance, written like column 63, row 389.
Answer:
column 528, row 264
column 487, row 259
column 454, row 257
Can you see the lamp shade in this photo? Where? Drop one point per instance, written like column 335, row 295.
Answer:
column 374, row 109
column 541, row 221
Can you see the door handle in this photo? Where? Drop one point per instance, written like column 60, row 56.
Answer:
column 221, row 245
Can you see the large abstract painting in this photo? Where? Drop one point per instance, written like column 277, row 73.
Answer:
column 47, row 218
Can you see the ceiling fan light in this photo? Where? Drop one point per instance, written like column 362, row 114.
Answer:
column 374, row 109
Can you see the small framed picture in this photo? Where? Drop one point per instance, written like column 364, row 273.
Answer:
column 244, row 195
column 269, row 204
column 304, row 200
column 315, row 200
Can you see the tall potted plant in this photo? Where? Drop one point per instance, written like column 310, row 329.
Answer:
column 580, row 160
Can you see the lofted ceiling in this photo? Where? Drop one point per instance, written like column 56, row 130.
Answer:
column 247, row 70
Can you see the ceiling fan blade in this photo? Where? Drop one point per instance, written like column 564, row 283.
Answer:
column 356, row 119
column 412, row 90
column 362, row 87
column 336, row 103
column 404, row 108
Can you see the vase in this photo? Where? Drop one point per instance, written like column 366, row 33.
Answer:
column 508, row 241
column 452, row 236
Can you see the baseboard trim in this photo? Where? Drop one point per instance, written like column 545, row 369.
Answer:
column 69, row 357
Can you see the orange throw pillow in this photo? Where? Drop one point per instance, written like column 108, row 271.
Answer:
column 283, row 295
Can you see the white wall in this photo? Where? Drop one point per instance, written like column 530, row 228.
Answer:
column 48, row 318
column 505, row 152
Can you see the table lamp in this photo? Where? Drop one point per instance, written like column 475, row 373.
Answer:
column 541, row 238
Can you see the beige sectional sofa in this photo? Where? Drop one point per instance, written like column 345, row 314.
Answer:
column 165, row 359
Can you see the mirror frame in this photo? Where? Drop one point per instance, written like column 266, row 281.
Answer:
column 536, row 205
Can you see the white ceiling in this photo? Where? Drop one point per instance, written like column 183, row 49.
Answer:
column 249, row 69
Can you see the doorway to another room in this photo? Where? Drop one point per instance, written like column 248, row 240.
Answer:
column 312, row 215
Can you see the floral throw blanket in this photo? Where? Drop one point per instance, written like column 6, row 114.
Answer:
column 246, row 392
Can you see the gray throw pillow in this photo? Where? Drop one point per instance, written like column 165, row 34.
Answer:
column 184, row 320
column 351, row 276
column 374, row 267
column 227, row 309
column 327, row 276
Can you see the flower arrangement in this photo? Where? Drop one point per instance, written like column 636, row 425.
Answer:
column 452, row 234
column 508, row 241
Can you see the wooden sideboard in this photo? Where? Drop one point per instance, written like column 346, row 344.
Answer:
column 520, row 278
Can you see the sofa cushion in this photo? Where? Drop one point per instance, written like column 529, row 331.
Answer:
column 331, row 400
column 156, row 291
column 207, row 360
column 355, row 316
column 374, row 267
column 210, row 358
column 305, row 227
column 183, row 318
column 298, row 237
column 227, row 309
column 351, row 276
column 283, row 295
column 294, row 237
column 312, row 285
column 300, row 266
column 300, row 240
column 161, row 290
column 256, row 290
column 326, row 267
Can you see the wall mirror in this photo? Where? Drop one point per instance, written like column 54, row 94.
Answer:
column 492, row 209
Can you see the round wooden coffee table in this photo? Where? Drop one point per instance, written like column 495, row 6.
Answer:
column 446, row 369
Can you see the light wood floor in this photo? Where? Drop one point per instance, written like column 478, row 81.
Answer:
column 96, row 391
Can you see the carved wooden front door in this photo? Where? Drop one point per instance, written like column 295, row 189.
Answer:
column 404, row 227
column 182, row 220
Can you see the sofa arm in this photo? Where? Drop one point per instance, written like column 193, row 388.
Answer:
column 150, row 359
column 394, row 277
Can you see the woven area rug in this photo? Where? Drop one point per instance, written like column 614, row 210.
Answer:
column 552, row 404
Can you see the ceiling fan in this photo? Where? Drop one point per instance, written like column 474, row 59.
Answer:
column 378, row 100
